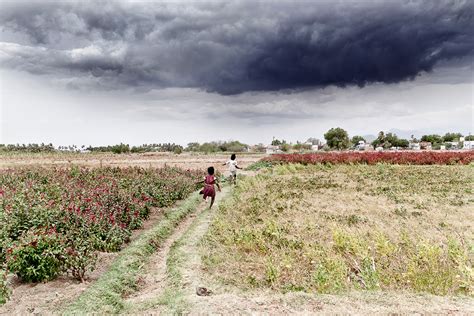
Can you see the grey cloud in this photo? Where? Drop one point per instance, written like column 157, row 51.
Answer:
column 236, row 47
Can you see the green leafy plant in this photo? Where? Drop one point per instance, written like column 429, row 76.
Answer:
column 5, row 291
column 80, row 254
column 37, row 256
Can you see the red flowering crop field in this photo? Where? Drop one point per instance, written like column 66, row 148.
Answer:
column 54, row 220
column 370, row 158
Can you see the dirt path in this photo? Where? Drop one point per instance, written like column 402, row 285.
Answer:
column 154, row 282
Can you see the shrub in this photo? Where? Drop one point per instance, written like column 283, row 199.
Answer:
column 259, row 165
column 37, row 255
column 4, row 289
column 177, row 150
column 80, row 254
column 110, row 239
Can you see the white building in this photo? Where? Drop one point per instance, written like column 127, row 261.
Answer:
column 453, row 145
column 361, row 145
column 270, row 149
column 314, row 141
column 414, row 146
column 468, row 144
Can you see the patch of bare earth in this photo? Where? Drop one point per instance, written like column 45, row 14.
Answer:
column 52, row 296
column 265, row 302
column 228, row 300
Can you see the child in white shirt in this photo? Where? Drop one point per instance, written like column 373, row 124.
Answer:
column 232, row 163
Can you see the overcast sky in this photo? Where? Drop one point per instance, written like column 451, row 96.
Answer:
column 140, row 72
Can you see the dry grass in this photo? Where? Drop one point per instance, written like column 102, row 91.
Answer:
column 331, row 229
column 156, row 160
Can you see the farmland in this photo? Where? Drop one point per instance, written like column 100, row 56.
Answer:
column 338, row 228
column 371, row 158
column 126, row 233
column 54, row 220
column 185, row 161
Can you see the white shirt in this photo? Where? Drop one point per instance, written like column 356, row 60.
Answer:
column 232, row 164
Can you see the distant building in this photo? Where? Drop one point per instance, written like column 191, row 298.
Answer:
column 414, row 146
column 271, row 149
column 314, row 141
column 468, row 144
column 425, row 145
column 363, row 146
column 442, row 147
column 379, row 148
column 452, row 145
column 258, row 148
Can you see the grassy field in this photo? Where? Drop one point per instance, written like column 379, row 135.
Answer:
column 331, row 229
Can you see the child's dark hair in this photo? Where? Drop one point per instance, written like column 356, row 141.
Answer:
column 210, row 170
column 232, row 157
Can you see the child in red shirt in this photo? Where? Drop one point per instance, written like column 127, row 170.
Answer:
column 209, row 190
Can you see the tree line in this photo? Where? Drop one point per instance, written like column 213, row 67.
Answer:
column 209, row 147
column 28, row 148
column 338, row 138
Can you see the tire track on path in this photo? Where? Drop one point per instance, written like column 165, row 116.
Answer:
column 154, row 281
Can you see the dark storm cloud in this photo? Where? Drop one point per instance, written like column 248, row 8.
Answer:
column 236, row 47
